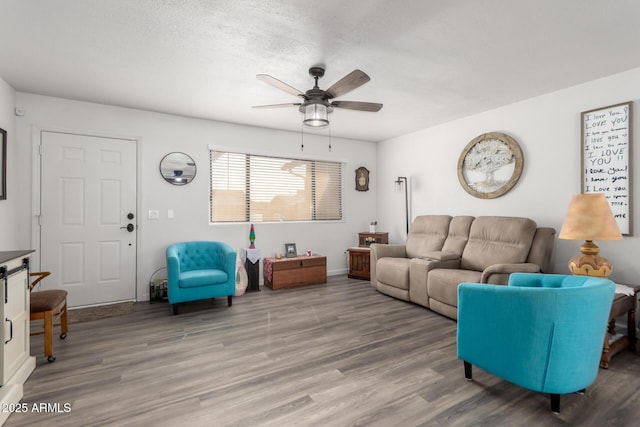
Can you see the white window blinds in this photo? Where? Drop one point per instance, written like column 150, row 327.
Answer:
column 255, row 188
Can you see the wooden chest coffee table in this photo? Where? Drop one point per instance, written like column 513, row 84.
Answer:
column 292, row 272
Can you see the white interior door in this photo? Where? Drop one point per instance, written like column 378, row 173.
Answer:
column 88, row 198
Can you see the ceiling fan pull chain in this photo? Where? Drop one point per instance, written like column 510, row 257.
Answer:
column 329, row 138
column 301, row 138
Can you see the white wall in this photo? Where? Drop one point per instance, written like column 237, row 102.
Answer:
column 160, row 134
column 8, row 231
column 547, row 129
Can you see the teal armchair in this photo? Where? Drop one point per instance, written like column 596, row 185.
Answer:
column 200, row 270
column 543, row 332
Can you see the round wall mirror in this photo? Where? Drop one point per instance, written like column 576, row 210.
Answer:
column 178, row 168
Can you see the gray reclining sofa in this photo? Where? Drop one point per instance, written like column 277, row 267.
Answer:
column 443, row 251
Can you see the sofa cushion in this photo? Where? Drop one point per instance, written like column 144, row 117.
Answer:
column 458, row 234
column 195, row 278
column 442, row 283
column 428, row 233
column 497, row 240
column 393, row 272
column 439, row 256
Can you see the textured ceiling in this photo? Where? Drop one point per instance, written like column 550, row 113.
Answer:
column 429, row 61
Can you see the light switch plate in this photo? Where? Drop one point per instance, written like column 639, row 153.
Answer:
column 154, row 214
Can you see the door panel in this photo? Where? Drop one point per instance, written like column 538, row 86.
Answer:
column 88, row 186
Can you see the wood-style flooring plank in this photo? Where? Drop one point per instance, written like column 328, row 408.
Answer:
column 339, row 354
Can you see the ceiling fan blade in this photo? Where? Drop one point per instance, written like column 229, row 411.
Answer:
column 279, row 84
column 357, row 105
column 277, row 105
column 351, row 81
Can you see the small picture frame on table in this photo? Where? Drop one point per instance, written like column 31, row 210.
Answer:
column 290, row 250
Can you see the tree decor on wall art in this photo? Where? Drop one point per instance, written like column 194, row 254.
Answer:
column 490, row 165
column 606, row 158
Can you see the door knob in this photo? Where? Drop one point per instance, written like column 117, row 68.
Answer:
column 129, row 227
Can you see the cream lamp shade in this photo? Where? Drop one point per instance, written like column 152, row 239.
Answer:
column 589, row 218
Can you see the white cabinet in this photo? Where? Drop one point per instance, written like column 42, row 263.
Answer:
column 16, row 362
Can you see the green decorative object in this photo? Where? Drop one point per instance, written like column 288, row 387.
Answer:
column 252, row 237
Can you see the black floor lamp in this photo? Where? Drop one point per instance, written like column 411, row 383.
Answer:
column 403, row 180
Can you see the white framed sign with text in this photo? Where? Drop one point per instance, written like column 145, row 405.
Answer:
column 606, row 158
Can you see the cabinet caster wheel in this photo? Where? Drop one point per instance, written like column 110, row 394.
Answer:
column 63, row 336
column 51, row 359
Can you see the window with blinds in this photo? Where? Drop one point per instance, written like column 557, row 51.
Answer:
column 261, row 188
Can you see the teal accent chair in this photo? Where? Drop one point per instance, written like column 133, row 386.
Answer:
column 543, row 332
column 200, row 270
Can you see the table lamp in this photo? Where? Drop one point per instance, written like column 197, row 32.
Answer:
column 590, row 218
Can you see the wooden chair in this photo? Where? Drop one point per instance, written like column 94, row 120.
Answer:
column 49, row 306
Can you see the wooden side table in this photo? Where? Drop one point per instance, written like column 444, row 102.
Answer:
column 359, row 258
column 613, row 342
column 359, row 263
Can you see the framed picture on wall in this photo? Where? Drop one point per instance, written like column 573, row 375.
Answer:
column 606, row 158
column 362, row 179
column 3, row 164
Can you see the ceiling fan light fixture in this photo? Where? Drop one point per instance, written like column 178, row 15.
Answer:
column 317, row 103
column 316, row 114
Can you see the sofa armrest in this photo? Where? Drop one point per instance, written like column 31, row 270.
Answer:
column 440, row 256
column 379, row 250
column 436, row 263
column 173, row 267
column 499, row 273
column 230, row 262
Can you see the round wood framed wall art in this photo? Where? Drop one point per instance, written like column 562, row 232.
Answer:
column 490, row 165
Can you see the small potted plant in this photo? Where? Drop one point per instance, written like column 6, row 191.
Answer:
column 372, row 226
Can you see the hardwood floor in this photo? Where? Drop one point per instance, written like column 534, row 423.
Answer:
column 338, row 354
